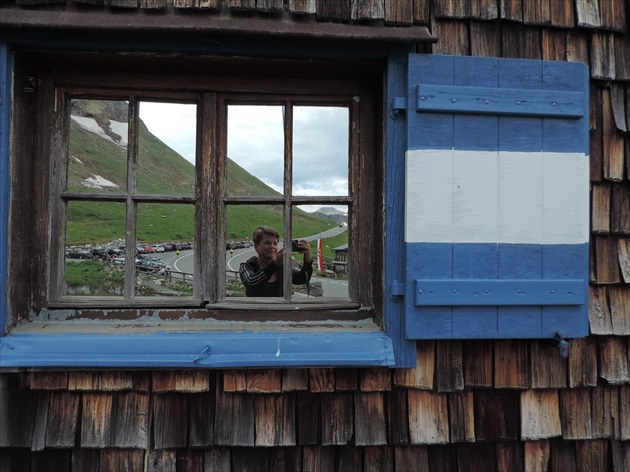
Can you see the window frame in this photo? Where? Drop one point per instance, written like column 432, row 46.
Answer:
column 53, row 82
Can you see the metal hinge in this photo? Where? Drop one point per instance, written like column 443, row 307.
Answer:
column 396, row 289
column 399, row 105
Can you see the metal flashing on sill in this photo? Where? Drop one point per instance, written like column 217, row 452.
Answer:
column 198, row 350
column 219, row 24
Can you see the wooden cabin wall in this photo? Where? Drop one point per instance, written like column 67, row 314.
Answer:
column 513, row 405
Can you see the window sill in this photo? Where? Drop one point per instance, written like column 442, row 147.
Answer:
column 191, row 345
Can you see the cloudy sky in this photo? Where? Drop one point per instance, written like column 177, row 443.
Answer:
column 255, row 142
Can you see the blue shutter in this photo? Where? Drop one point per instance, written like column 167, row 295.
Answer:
column 496, row 207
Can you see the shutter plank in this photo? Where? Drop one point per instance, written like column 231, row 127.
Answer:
column 428, row 418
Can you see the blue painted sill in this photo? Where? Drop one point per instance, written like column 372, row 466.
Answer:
column 193, row 350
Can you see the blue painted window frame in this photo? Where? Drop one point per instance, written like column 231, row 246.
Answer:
column 173, row 349
column 393, row 347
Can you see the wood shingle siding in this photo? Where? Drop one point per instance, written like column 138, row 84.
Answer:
column 479, row 405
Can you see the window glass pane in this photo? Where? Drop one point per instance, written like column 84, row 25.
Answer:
column 97, row 146
column 320, row 150
column 166, row 148
column 242, row 222
column 326, row 231
column 164, row 250
column 95, row 241
column 255, row 150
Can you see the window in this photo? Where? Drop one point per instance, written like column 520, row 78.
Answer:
column 156, row 190
column 434, row 249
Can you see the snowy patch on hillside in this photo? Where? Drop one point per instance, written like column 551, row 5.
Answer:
column 96, row 181
column 91, row 125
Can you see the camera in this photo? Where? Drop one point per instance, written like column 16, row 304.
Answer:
column 295, row 247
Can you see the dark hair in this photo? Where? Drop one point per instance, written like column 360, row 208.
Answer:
column 264, row 230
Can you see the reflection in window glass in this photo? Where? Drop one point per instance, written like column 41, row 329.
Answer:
column 95, row 242
column 326, row 230
column 97, row 146
column 320, row 150
column 166, row 148
column 242, row 221
column 164, row 250
column 255, row 150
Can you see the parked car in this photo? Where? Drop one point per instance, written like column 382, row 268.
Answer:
column 80, row 254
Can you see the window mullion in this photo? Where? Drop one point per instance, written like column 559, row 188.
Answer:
column 209, row 225
column 131, row 207
column 288, row 177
